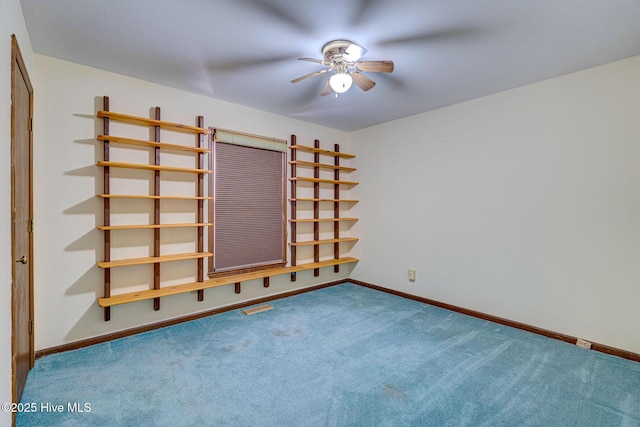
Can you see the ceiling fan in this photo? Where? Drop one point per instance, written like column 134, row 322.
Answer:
column 343, row 59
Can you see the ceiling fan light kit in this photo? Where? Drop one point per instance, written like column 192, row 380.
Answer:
column 343, row 59
column 340, row 82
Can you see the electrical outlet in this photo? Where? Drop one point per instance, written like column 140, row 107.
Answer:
column 412, row 274
column 584, row 344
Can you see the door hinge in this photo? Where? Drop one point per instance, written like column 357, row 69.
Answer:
column 30, row 326
column 30, row 226
column 30, row 124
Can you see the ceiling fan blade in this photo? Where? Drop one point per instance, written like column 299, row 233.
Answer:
column 361, row 11
column 443, row 35
column 375, row 66
column 317, row 73
column 280, row 13
column 319, row 61
column 326, row 90
column 239, row 65
column 362, row 81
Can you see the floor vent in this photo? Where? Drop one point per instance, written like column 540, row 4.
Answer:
column 254, row 310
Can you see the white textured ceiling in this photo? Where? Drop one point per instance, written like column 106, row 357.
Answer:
column 244, row 51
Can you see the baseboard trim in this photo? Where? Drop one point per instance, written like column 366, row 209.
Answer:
column 140, row 329
column 550, row 334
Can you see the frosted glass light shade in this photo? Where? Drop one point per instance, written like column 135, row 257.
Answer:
column 354, row 52
column 340, row 82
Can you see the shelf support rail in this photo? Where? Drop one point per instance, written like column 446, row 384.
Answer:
column 107, row 210
column 294, row 207
column 336, row 208
column 200, row 143
column 316, row 207
column 156, row 210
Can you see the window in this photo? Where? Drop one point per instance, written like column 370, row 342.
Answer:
column 248, row 211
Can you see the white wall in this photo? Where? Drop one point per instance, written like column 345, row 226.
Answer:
column 67, row 210
column 11, row 22
column 524, row 204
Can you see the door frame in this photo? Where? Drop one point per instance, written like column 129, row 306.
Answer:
column 18, row 69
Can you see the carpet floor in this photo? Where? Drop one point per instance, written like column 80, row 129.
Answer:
column 345, row 355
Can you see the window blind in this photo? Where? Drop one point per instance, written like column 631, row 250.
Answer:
column 249, row 219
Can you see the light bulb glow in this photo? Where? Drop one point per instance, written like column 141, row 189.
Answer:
column 340, row 82
column 354, row 52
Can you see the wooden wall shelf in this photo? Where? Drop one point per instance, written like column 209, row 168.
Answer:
column 321, row 166
column 143, row 121
column 317, row 166
column 152, row 167
column 325, row 241
column 320, row 151
column 211, row 283
column 158, row 291
column 321, row 180
column 144, row 226
column 323, row 219
column 135, row 196
column 161, row 145
column 303, row 199
column 153, row 259
column 155, row 144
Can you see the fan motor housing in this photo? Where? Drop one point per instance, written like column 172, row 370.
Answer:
column 334, row 50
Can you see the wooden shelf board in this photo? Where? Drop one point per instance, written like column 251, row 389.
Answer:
column 152, row 167
column 124, row 118
column 141, row 196
column 301, row 199
column 211, row 283
column 153, row 260
column 323, row 219
column 161, row 145
column 144, row 226
column 321, row 151
column 322, row 165
column 326, row 181
column 322, row 242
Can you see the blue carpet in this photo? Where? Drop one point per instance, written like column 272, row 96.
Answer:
column 339, row 356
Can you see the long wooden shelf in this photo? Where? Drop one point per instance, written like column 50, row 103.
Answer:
column 134, row 120
column 153, row 259
column 144, row 196
column 304, row 199
column 211, row 283
column 144, row 226
column 326, row 181
column 321, row 151
column 323, row 219
column 322, row 166
column 152, row 167
column 142, row 143
column 325, row 241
